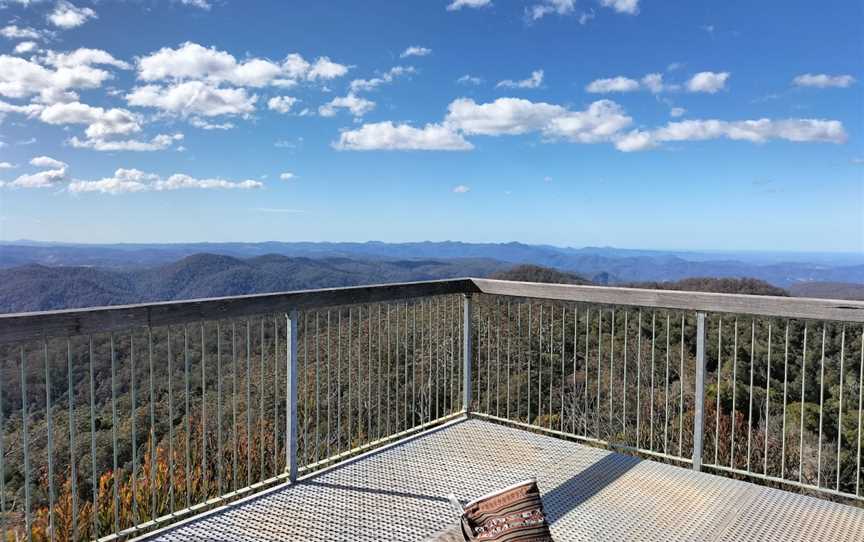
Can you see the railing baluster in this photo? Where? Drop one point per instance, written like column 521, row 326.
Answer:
column 698, row 417
column 768, row 402
column 93, row 467
column 73, row 466
column 218, row 403
column 234, row 431
column 304, row 372
column 540, row 369
column 563, row 354
column 338, row 381
column 498, row 356
column 50, row 430
column 611, row 368
column 575, row 335
column 318, row 386
column 414, row 357
column 329, row 380
column 261, row 405
column 860, row 412
column 275, row 395
column 624, row 383
column 205, row 467
column 681, row 394
column 734, row 389
column 719, row 373
column 378, row 374
column 785, row 385
column 639, row 380
column 25, row 447
column 801, row 432
column 585, row 364
column 529, row 356
column 466, row 353
column 437, row 323
column 840, row 407
column 291, row 396
column 489, row 361
column 653, row 348
column 134, row 481
column 170, row 419
column 821, row 410
column 509, row 359
column 188, row 472
column 599, row 359
column 551, row 359
column 750, row 400
column 3, row 536
column 153, row 511
column 666, row 391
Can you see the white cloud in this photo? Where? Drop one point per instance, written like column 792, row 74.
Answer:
column 461, row 189
column 287, row 176
column 548, row 7
column 709, row 82
column 586, row 16
column 415, row 50
column 198, row 122
column 15, row 32
column 67, row 15
column 7, row 165
column 754, row 131
column 534, row 81
column 26, row 47
column 823, row 80
column 84, row 57
column 281, row 104
column 158, row 143
column 469, row 80
column 356, row 105
column 101, row 122
column 54, row 172
column 22, row 78
column 191, row 61
column 630, row 7
column 389, row 136
column 194, row 98
column 613, row 84
column 133, row 180
column 601, row 121
column 389, row 76
column 677, row 112
column 456, row 5
column 200, row 4
column 654, row 82
column 504, row 116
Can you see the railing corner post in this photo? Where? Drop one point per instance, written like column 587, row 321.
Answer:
column 291, row 400
column 699, row 414
column 468, row 332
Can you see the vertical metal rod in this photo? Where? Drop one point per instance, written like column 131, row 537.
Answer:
column 611, row 367
column 389, row 383
column 170, row 420
column 540, row 368
column 801, row 432
column 234, row 431
column 93, row 475
column 134, row 480
column 666, row 392
column 587, row 347
column 329, row 380
column 261, row 405
column 860, row 412
column 437, row 322
column 599, row 358
column 414, row 357
column 479, row 397
column 750, row 400
column 509, row 359
column 73, row 460
column 551, row 359
column 339, row 382
column 305, row 374
column 519, row 355
column 785, row 383
column 153, row 511
column 488, row 362
column 275, row 395
column 466, row 352
column 350, row 374
column 25, row 445
column 291, row 396
column 205, row 467
column 405, row 378
column 821, row 410
column 3, row 536
column 378, row 374
column 734, row 389
column 188, row 471
column 498, row 355
column 575, row 335
column 219, row 453
column 529, row 356
column 624, row 384
column 317, row 386
column 369, row 375
column 767, row 403
column 840, row 407
column 719, row 373
column 116, row 474
column 681, row 394
column 699, row 407
column 639, row 379
column 653, row 345
column 50, row 430
column 563, row 354
column 248, row 402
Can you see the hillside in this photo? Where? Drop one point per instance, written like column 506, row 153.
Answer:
column 828, row 290
column 38, row 287
column 536, row 273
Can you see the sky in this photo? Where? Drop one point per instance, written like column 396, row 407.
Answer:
column 673, row 124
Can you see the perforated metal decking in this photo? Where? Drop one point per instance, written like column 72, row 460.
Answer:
column 589, row 495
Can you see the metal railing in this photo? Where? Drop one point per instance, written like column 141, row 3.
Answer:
column 115, row 421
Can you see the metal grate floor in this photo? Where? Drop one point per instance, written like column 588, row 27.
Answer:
column 589, row 495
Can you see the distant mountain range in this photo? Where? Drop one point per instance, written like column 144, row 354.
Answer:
column 603, row 265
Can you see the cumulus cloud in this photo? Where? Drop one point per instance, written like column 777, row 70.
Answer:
column 612, row 84
column 468, row 79
column 389, row 76
column 15, row 32
column 504, row 116
column 157, row 143
column 281, row 104
column 630, row 7
column 101, row 122
column 549, row 7
column 7, row 165
column 415, row 50
column 191, row 61
column 67, row 15
column 754, row 131
column 390, row 136
column 53, row 173
column 823, row 80
column 356, row 105
column 133, row 180
column 26, row 47
column 709, row 82
column 204, row 124
column 456, row 5
column 194, row 98
column 534, row 81
column 200, row 4
column 287, row 176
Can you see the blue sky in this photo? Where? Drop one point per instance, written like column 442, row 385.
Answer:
column 727, row 125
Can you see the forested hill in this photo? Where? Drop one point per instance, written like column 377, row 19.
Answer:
column 38, row 287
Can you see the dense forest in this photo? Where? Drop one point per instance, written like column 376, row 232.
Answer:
column 189, row 413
